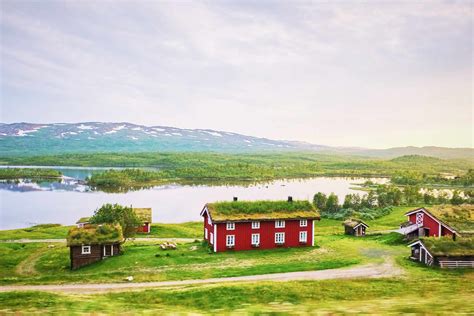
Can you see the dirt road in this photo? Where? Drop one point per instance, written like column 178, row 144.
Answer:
column 386, row 269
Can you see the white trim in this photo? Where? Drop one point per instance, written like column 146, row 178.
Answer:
column 282, row 234
column 359, row 225
column 312, row 234
column 206, row 233
column 211, row 240
column 440, row 230
column 422, row 209
column 232, row 238
column 215, row 238
column 281, row 222
column 258, row 239
column 305, row 234
column 421, row 245
column 86, row 252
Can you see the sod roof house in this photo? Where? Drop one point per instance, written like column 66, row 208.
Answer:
column 144, row 214
column 438, row 221
column 93, row 243
column 245, row 225
column 444, row 252
column 355, row 227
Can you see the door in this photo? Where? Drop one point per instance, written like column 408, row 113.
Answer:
column 108, row 250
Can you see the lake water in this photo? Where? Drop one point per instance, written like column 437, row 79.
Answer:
column 24, row 204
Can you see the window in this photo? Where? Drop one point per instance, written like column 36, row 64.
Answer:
column 230, row 226
column 279, row 224
column 255, row 225
column 303, row 223
column 212, row 238
column 230, row 241
column 279, row 238
column 303, row 236
column 255, row 239
column 209, row 221
column 86, row 250
column 205, row 233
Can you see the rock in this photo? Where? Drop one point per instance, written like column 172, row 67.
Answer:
column 129, row 278
column 51, row 246
column 193, row 248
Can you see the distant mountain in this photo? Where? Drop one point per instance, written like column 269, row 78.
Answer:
column 90, row 137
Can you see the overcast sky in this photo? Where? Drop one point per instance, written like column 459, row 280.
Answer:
column 377, row 74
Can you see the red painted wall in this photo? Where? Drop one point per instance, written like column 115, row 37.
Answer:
column 433, row 226
column 243, row 235
column 145, row 228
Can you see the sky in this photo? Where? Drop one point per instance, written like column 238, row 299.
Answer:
column 343, row 73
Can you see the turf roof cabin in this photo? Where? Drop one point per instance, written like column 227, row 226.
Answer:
column 443, row 252
column 93, row 243
column 144, row 214
column 438, row 221
column 355, row 227
column 259, row 224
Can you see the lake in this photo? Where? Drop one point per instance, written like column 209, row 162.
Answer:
column 24, row 204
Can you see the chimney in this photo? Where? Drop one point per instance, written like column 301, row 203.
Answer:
column 235, row 199
column 290, row 199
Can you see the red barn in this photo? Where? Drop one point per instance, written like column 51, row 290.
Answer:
column 249, row 225
column 423, row 223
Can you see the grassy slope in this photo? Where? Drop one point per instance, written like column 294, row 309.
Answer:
column 391, row 295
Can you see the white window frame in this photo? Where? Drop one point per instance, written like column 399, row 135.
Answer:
column 230, row 226
column 303, row 223
column 279, row 224
column 230, row 240
column 255, row 225
column 305, row 234
column 212, row 238
column 83, row 250
column 255, row 239
column 205, row 233
column 279, row 238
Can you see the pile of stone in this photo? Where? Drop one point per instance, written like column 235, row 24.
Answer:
column 168, row 245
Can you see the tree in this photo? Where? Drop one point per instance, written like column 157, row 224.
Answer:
column 123, row 215
column 332, row 203
column 457, row 198
column 319, row 201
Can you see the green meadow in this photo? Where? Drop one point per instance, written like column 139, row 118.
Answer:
column 418, row 290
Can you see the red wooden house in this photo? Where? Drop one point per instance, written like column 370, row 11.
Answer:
column 259, row 224
column 144, row 214
column 424, row 223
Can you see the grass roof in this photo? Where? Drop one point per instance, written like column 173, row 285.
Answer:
column 96, row 234
column 144, row 214
column 354, row 222
column 448, row 247
column 83, row 220
column 459, row 217
column 261, row 210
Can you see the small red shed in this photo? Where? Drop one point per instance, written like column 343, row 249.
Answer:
column 245, row 225
column 145, row 215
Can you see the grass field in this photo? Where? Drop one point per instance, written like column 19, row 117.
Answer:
column 420, row 290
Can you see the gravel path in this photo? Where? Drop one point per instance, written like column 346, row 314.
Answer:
column 386, row 269
column 26, row 241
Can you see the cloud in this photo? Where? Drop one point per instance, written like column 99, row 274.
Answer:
column 285, row 69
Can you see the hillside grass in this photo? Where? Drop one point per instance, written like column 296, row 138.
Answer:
column 145, row 261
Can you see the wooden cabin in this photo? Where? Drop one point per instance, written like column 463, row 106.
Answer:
column 250, row 225
column 355, row 227
column 93, row 243
column 444, row 252
column 83, row 222
column 145, row 215
column 439, row 221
